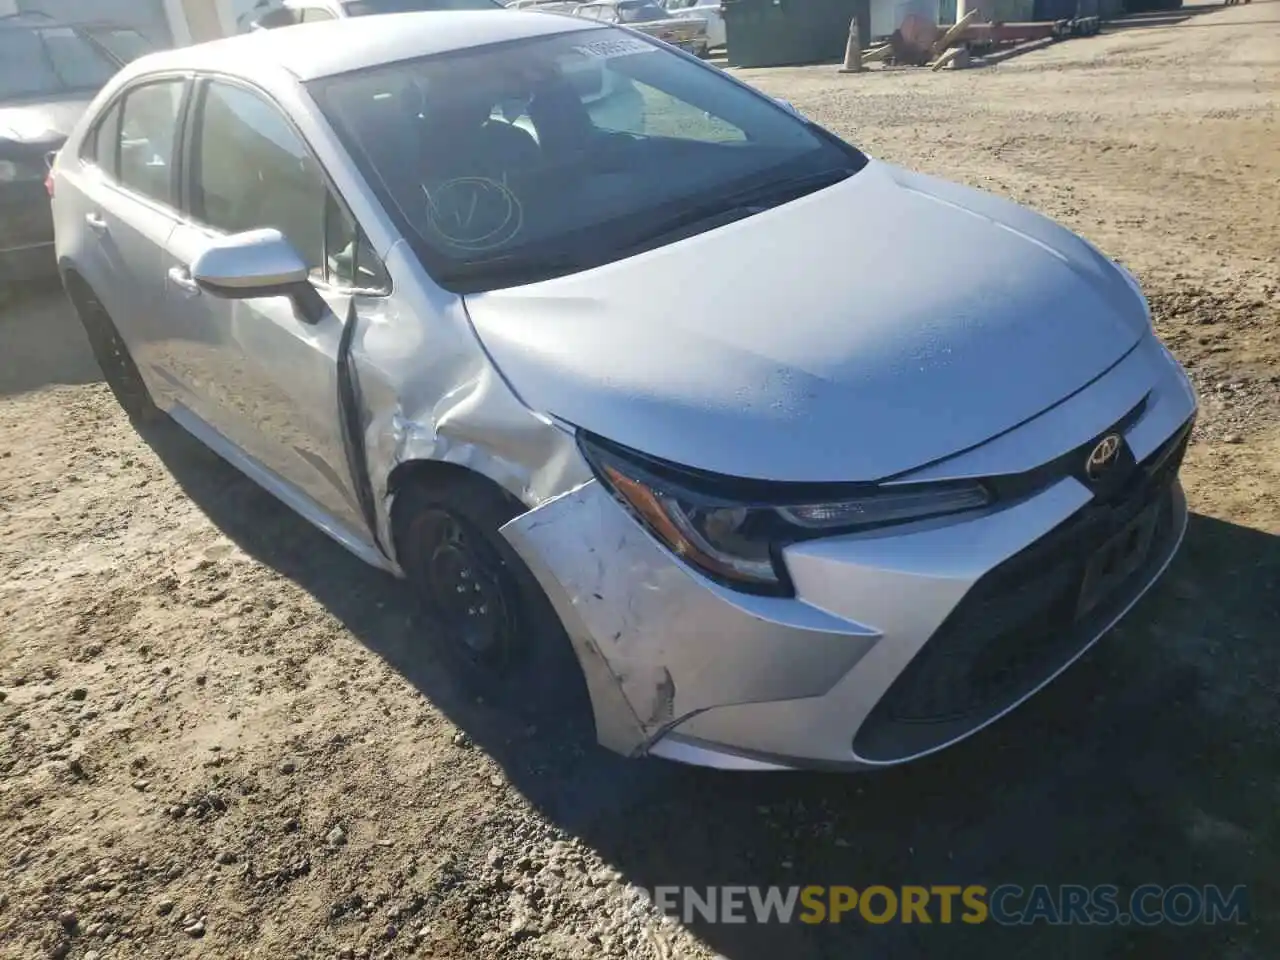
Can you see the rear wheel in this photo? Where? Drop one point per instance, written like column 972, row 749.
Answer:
column 486, row 615
column 118, row 368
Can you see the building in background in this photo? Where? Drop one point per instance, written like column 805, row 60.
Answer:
column 167, row 22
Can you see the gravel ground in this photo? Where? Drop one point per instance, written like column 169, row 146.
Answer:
column 219, row 736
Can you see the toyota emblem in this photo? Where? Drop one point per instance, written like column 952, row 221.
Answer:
column 1103, row 456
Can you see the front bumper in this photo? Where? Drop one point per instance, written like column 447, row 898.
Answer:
column 897, row 643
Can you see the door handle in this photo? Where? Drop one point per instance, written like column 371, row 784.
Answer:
column 96, row 223
column 180, row 277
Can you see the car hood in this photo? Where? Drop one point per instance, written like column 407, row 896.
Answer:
column 864, row 330
column 45, row 122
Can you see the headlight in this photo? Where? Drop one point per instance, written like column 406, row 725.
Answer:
column 733, row 530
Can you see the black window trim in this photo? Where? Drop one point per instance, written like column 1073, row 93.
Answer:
column 88, row 145
column 200, row 83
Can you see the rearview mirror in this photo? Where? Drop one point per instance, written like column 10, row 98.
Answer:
column 257, row 263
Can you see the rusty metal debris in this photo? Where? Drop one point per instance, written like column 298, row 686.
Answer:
column 920, row 42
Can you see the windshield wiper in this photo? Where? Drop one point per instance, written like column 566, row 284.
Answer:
column 515, row 269
column 510, row 270
column 736, row 206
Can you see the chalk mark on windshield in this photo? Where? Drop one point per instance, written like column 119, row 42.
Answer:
column 474, row 213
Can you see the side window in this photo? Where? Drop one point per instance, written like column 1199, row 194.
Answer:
column 316, row 14
column 106, row 141
column 349, row 259
column 250, row 169
column 148, row 133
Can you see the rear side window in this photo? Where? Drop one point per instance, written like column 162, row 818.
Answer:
column 148, row 136
column 316, row 14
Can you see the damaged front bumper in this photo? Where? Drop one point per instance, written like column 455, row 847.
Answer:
column 896, row 644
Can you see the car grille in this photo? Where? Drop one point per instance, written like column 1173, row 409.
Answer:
column 1023, row 620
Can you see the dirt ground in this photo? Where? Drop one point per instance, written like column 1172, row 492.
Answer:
column 219, row 735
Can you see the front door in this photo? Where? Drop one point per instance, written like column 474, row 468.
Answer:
column 264, row 373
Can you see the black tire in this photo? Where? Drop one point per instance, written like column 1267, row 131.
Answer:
column 485, row 615
column 114, row 359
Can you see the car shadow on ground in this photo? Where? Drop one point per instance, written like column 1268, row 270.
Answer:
column 1151, row 761
column 42, row 342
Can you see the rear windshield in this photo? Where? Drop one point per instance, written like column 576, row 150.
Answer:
column 49, row 61
column 124, row 44
column 524, row 160
column 360, row 8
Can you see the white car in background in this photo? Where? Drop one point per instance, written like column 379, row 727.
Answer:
column 272, row 14
column 650, row 18
column 707, row 10
column 545, row 6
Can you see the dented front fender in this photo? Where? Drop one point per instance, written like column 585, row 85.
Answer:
column 657, row 642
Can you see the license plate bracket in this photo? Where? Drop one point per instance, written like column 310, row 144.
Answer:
column 1117, row 559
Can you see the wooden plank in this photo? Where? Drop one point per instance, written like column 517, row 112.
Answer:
column 954, row 31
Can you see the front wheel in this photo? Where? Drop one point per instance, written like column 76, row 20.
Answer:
column 486, row 616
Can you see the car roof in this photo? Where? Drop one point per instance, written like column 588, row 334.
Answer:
column 313, row 50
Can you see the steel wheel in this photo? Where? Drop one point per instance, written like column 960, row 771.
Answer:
column 467, row 590
column 485, row 614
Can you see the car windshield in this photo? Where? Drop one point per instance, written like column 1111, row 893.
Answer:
column 529, row 159
column 640, row 11
column 361, row 8
column 49, row 61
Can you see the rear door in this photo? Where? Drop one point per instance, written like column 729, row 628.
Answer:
column 261, row 373
column 128, row 205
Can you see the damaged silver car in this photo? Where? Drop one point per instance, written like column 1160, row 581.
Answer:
column 779, row 455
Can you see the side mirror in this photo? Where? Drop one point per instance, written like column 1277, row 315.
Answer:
column 257, row 263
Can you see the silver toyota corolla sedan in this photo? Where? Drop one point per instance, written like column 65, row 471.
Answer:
column 773, row 454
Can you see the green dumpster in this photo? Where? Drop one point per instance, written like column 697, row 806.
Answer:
column 774, row 33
